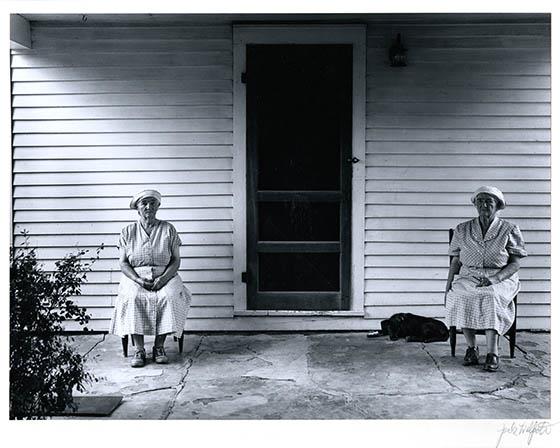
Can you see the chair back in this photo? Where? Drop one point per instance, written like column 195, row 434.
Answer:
column 451, row 231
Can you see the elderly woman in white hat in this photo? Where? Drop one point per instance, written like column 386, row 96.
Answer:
column 152, row 299
column 482, row 281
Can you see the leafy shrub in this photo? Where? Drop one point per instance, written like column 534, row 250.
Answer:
column 44, row 368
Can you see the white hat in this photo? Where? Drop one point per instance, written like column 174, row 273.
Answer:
column 492, row 191
column 144, row 194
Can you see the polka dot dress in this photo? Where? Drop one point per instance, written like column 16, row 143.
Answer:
column 137, row 310
column 489, row 307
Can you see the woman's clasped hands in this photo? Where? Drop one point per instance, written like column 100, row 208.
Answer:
column 486, row 281
column 153, row 285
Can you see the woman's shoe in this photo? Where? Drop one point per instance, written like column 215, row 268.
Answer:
column 492, row 362
column 139, row 359
column 471, row 357
column 158, row 353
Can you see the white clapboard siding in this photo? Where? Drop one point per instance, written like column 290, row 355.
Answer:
column 527, row 273
column 414, row 248
column 446, row 185
column 119, row 73
column 123, row 138
column 191, row 239
column 101, row 113
column 454, row 80
column 458, row 108
column 382, row 210
column 451, row 147
column 458, row 160
column 127, row 99
column 197, row 300
column 114, row 228
column 122, row 152
column 435, row 223
column 130, row 112
column 136, row 58
column 439, row 261
column 471, row 108
column 125, row 177
column 112, row 253
column 76, row 166
column 456, row 122
column 124, row 215
column 187, row 264
column 430, row 298
column 124, row 191
column 200, row 275
column 102, row 126
column 132, row 86
column 111, row 203
column 448, row 198
column 436, row 236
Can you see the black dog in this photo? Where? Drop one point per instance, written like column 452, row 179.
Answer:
column 414, row 328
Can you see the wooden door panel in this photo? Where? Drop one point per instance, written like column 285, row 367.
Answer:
column 298, row 176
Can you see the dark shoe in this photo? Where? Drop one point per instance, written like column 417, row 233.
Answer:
column 139, row 359
column 158, row 353
column 471, row 357
column 492, row 362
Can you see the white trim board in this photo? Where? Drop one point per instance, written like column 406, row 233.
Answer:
column 295, row 34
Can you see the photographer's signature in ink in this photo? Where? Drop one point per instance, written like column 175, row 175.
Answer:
column 528, row 429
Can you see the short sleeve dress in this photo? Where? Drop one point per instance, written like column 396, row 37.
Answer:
column 488, row 307
column 137, row 310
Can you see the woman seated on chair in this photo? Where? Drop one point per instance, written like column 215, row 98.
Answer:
column 482, row 281
column 152, row 299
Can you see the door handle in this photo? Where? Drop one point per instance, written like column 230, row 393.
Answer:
column 353, row 160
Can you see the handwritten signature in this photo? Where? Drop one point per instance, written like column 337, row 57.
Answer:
column 530, row 429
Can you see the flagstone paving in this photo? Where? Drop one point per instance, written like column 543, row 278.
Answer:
column 321, row 376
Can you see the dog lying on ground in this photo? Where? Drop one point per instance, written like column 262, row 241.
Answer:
column 414, row 328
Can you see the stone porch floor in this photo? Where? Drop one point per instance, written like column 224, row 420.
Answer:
column 321, row 376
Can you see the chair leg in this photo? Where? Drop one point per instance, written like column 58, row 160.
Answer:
column 124, row 341
column 181, row 340
column 512, row 336
column 452, row 339
column 513, row 331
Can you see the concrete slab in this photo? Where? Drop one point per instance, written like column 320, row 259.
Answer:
column 321, row 376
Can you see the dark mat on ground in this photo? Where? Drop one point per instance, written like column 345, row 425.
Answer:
column 93, row 405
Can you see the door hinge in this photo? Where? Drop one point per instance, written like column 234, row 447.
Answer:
column 244, row 277
column 244, row 77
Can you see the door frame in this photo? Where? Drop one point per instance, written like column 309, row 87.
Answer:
column 299, row 34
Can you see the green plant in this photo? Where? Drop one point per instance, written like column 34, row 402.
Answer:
column 44, row 367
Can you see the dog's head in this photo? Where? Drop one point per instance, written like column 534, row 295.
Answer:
column 394, row 326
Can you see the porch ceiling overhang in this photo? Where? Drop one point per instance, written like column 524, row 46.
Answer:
column 182, row 19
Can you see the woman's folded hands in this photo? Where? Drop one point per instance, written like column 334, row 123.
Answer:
column 153, row 285
column 159, row 282
column 486, row 281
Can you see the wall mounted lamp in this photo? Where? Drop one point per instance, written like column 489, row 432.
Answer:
column 397, row 53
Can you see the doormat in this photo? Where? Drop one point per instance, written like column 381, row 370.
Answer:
column 93, row 406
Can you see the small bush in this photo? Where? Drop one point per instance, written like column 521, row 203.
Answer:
column 44, row 368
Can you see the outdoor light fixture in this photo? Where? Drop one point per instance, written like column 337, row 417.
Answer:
column 397, row 53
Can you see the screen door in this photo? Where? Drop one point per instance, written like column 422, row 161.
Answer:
column 299, row 122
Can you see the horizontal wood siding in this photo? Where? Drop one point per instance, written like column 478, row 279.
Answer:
column 471, row 108
column 101, row 113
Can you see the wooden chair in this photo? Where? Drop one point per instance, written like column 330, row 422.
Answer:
column 511, row 333
column 124, row 341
